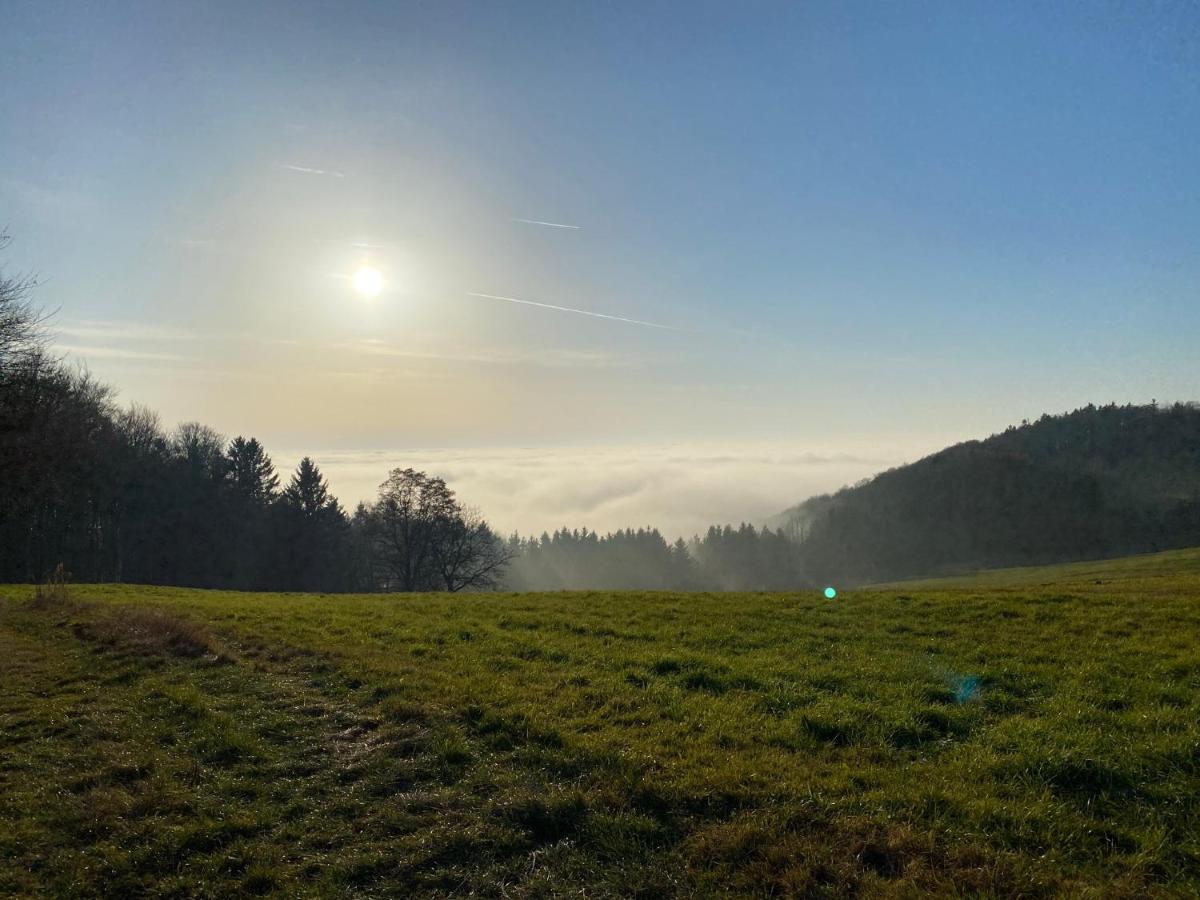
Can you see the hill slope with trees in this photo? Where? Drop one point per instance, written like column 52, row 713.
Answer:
column 1096, row 482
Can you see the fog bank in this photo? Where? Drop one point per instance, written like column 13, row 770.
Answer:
column 681, row 490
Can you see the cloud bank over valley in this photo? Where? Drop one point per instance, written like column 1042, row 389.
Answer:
column 680, row 490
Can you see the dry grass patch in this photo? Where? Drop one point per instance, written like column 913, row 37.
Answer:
column 55, row 594
column 154, row 632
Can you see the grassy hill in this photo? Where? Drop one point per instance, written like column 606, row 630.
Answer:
column 1147, row 571
column 1019, row 734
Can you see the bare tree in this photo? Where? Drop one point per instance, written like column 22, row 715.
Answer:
column 425, row 540
column 406, row 523
column 468, row 553
column 141, row 428
column 200, row 447
column 22, row 335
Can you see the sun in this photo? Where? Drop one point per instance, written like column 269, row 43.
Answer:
column 368, row 281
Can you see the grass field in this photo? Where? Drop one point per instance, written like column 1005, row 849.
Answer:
column 1025, row 733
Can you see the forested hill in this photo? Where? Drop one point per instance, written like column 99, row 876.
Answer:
column 1096, row 482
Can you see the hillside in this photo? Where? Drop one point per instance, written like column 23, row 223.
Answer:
column 1097, row 482
column 1032, row 738
column 1149, row 570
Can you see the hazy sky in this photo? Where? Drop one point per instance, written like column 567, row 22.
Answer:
column 869, row 229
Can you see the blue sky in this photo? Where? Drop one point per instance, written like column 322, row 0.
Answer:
column 868, row 225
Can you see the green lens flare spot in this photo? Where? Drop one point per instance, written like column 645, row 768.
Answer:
column 830, row 593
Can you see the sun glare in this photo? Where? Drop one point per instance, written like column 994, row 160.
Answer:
column 368, row 281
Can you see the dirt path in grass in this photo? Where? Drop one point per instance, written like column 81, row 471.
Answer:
column 131, row 770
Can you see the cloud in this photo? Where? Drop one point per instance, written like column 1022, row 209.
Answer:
column 122, row 331
column 569, row 309
column 118, row 330
column 119, row 353
column 110, row 332
column 546, row 224
column 679, row 490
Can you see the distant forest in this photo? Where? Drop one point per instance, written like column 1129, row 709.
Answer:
column 111, row 495
column 723, row 559
column 1097, row 482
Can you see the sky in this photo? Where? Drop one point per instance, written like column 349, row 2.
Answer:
column 810, row 240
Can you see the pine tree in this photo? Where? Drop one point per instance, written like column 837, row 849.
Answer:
column 308, row 492
column 251, row 470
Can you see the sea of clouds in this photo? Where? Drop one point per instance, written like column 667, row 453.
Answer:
column 680, row 490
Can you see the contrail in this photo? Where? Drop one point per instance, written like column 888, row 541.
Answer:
column 547, row 224
column 581, row 312
column 307, row 171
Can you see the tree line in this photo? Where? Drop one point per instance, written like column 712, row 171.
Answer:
column 111, row 495
column 724, row 558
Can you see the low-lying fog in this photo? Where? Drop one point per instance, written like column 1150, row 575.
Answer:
column 680, row 490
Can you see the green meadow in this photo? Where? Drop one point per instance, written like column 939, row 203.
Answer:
column 1019, row 734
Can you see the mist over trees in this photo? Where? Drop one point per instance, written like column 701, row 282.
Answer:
column 723, row 559
column 1093, row 483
